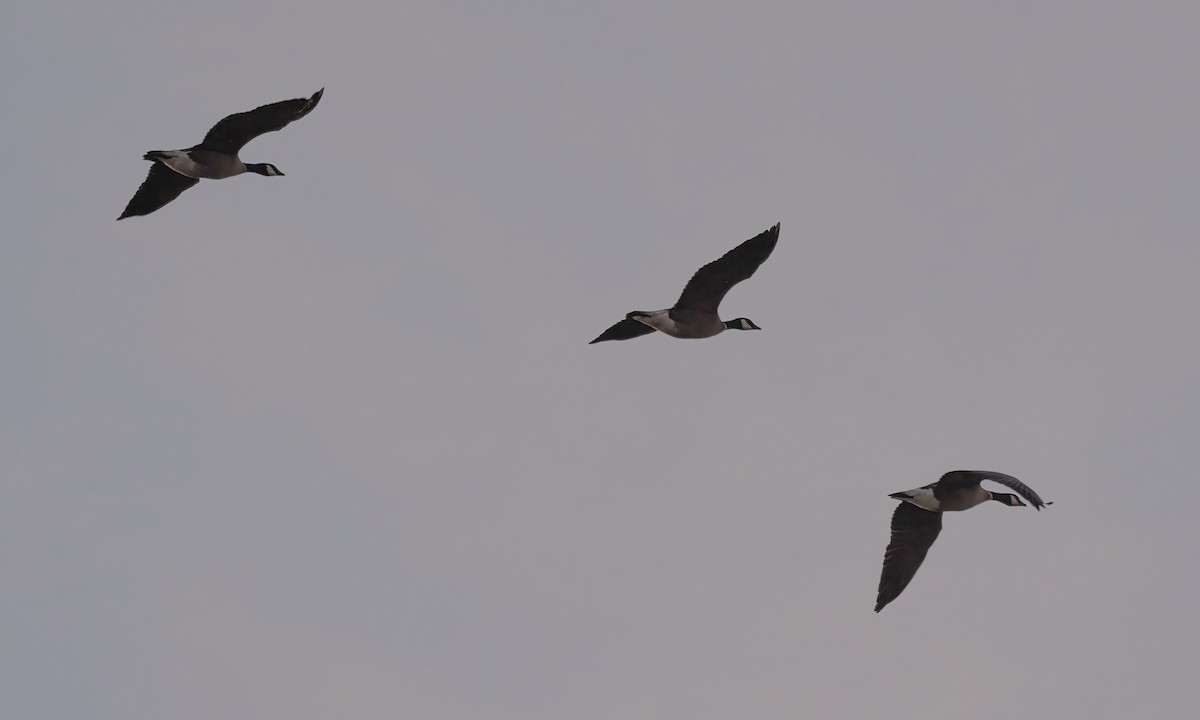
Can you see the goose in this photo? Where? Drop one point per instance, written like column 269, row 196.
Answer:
column 695, row 313
column 216, row 156
column 918, row 520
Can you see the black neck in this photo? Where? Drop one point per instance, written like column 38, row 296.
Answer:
column 1006, row 498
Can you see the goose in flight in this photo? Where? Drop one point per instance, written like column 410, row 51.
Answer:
column 216, row 157
column 918, row 520
column 695, row 313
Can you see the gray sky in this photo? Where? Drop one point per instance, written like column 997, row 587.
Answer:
column 334, row 445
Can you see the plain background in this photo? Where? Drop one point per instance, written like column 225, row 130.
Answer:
column 334, row 445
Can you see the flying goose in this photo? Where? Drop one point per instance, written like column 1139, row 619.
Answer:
column 216, row 156
column 695, row 313
column 918, row 520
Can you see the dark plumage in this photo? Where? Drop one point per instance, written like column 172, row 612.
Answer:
column 624, row 330
column 160, row 187
column 233, row 132
column 708, row 287
column 913, row 533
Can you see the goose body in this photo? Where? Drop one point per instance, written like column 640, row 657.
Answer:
column 202, row 163
column 216, row 157
column 694, row 315
column 688, row 325
column 917, row 521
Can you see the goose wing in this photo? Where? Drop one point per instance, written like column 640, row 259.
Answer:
column 708, row 286
column 160, row 187
column 229, row 135
column 1010, row 482
column 624, row 330
column 913, row 533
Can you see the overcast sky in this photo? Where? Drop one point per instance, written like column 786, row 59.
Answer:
column 334, row 445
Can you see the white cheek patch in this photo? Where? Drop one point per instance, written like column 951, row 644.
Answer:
column 272, row 172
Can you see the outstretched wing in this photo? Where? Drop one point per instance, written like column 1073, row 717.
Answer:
column 1010, row 482
column 708, row 286
column 624, row 330
column 913, row 532
column 233, row 132
column 161, row 186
